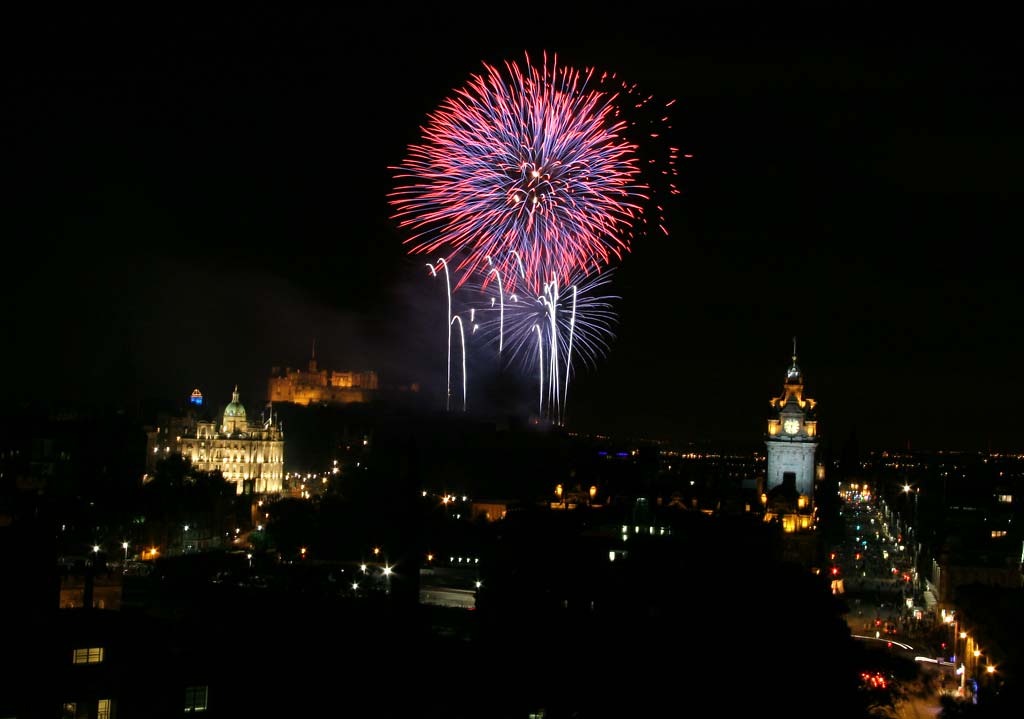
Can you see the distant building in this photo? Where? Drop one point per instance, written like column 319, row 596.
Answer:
column 251, row 455
column 449, row 586
column 315, row 386
column 164, row 438
column 792, row 440
column 492, row 510
column 81, row 587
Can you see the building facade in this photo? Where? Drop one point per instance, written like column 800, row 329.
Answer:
column 248, row 454
column 791, row 441
column 315, row 386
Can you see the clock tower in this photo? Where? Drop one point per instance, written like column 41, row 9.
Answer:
column 792, row 437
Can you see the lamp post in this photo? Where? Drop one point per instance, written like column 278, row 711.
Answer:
column 184, row 534
column 976, row 655
column 124, row 546
column 962, row 669
column 961, row 638
column 907, row 489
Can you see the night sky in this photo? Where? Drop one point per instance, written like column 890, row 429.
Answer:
column 192, row 199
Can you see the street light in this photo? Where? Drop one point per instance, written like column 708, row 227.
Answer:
column 907, row 490
column 913, row 528
column 124, row 546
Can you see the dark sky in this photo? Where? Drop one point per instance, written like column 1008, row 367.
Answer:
column 191, row 199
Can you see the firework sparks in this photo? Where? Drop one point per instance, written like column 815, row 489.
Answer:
column 547, row 333
column 527, row 184
column 531, row 165
column 448, row 286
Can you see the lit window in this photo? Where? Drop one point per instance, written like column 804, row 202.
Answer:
column 195, row 699
column 1005, row 498
column 103, row 709
column 89, row 655
column 998, row 533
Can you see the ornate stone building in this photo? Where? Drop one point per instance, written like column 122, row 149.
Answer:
column 318, row 385
column 792, row 440
column 249, row 454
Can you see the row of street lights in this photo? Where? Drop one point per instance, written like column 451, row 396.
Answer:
column 152, row 552
column 960, row 634
column 124, row 545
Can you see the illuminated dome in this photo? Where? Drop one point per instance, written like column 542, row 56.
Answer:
column 234, row 415
column 235, row 409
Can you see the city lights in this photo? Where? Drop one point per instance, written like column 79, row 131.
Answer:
column 211, row 215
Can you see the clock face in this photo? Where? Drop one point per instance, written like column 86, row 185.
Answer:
column 792, row 426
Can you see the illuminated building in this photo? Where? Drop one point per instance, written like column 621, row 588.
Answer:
column 316, row 386
column 791, row 439
column 248, row 454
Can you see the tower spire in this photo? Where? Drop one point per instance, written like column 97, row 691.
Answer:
column 793, row 373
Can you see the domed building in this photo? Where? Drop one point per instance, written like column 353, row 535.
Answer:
column 234, row 416
column 250, row 456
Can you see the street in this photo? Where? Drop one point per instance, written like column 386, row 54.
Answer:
column 878, row 585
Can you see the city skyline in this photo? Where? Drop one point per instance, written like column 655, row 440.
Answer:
column 198, row 201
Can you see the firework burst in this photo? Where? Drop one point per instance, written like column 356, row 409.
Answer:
column 530, row 162
column 529, row 182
